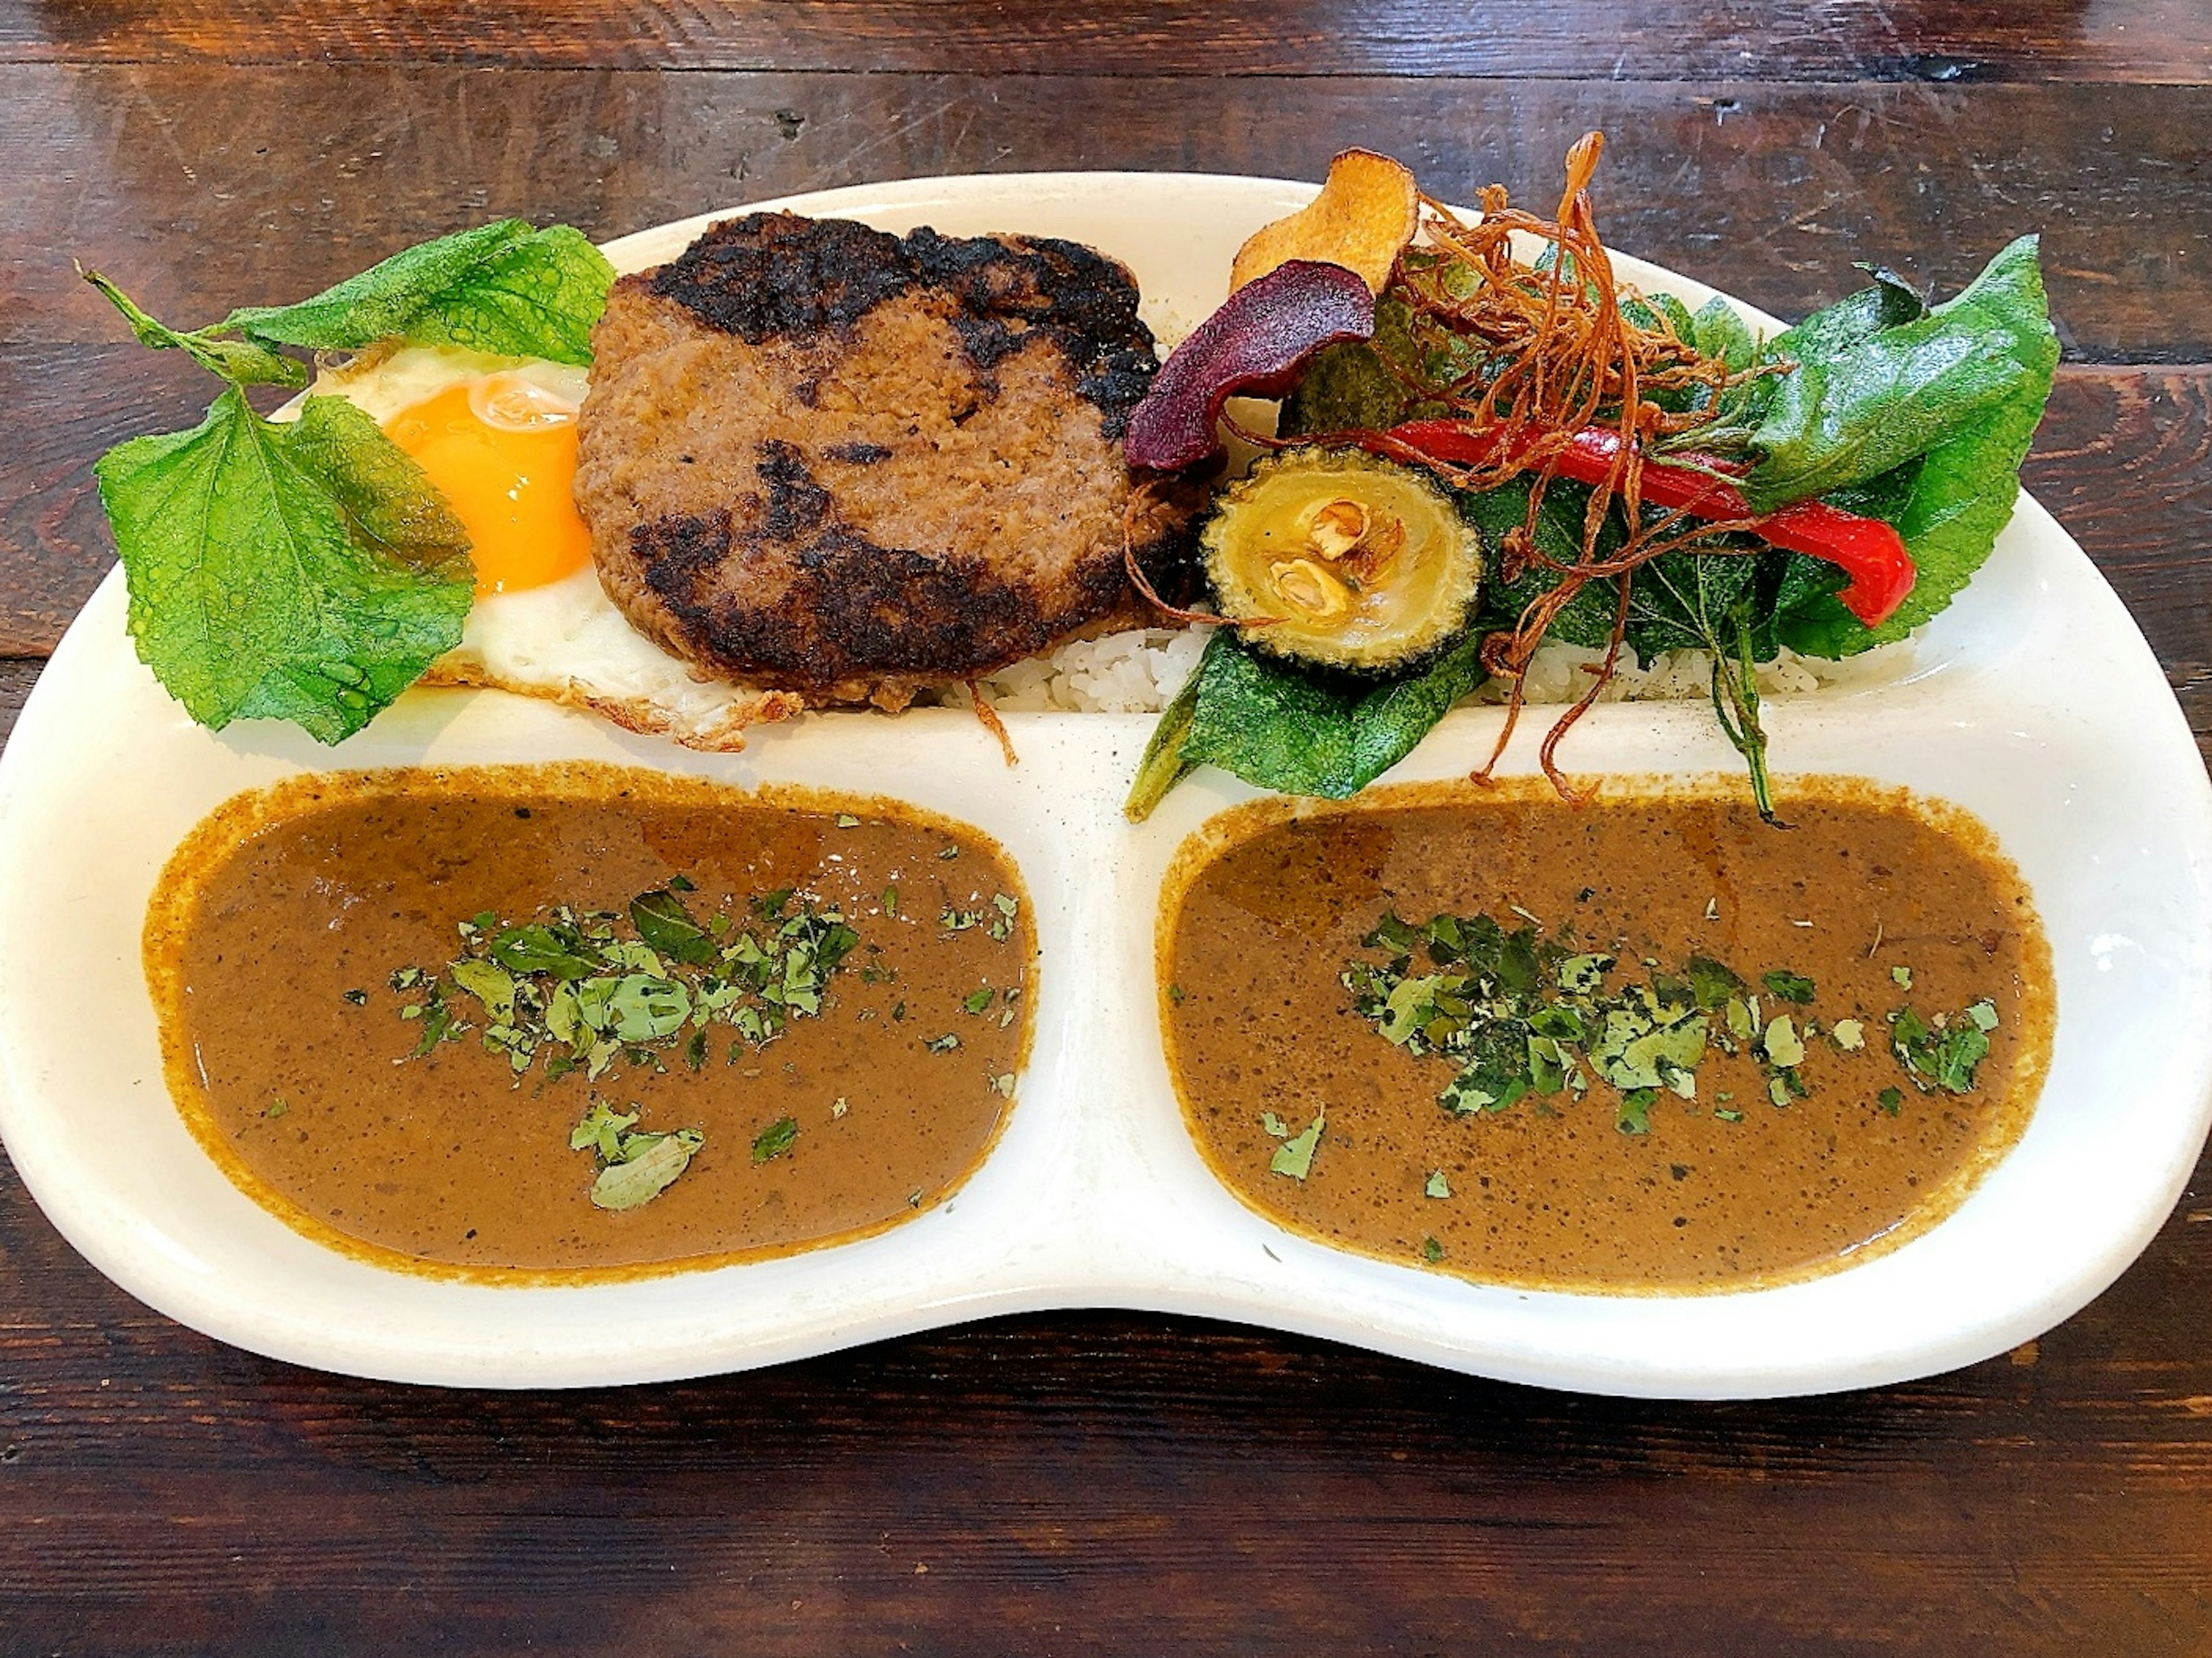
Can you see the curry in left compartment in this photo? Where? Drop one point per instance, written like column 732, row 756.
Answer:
column 579, row 1019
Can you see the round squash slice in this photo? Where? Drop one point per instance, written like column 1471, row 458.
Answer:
column 1346, row 561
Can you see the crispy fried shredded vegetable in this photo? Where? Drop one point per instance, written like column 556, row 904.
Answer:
column 1556, row 358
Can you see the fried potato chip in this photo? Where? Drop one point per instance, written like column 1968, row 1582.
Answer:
column 1366, row 212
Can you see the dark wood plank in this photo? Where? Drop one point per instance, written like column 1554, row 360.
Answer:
column 199, row 190
column 2160, row 40
column 1097, row 1483
column 17, row 676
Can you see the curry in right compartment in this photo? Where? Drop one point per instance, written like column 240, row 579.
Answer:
column 1648, row 1044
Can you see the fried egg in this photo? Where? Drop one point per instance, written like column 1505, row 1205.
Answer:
column 497, row 436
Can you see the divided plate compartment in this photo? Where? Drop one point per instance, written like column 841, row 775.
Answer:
column 2033, row 703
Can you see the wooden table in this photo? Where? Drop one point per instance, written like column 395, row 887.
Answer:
column 1107, row 1482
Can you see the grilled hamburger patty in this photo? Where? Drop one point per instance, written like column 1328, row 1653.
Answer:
column 822, row 458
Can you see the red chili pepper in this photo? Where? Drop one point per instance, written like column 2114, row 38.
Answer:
column 1867, row 550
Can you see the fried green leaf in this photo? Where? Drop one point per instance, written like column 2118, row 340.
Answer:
column 1280, row 728
column 504, row 288
column 304, row 571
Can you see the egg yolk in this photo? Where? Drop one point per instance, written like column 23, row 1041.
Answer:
column 503, row 453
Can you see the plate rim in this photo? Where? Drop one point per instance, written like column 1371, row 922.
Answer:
column 45, row 700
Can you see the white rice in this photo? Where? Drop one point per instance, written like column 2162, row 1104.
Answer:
column 1139, row 673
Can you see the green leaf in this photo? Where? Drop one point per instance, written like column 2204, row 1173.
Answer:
column 601, row 1127
column 1161, row 765
column 1437, row 1185
column 1718, row 329
column 534, row 948
column 1279, row 728
column 1782, row 1043
column 1788, row 986
column 304, row 571
column 1294, row 1158
column 1682, row 601
column 637, row 1008
column 1924, row 425
column 1855, row 411
column 489, row 984
column 242, row 362
column 651, row 1164
column 1587, row 619
column 663, row 922
column 775, row 1139
column 503, row 288
column 1579, row 974
column 1889, row 302
column 1711, row 982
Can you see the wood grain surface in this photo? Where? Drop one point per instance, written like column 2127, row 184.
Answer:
column 1941, row 41
column 1105, row 1482
column 197, row 191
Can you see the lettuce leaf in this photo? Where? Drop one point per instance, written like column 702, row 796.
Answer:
column 306, row 571
column 1278, row 727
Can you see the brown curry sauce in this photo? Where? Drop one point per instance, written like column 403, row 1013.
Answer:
column 1269, row 903
column 285, row 900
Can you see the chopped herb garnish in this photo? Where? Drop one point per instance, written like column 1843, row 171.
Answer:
column 1437, row 1185
column 358, row 998
column 838, row 1106
column 1431, row 1251
column 775, row 1139
column 975, row 1001
column 845, row 820
column 1294, row 1158
column 1519, row 1014
column 1788, row 986
column 1903, row 976
column 1274, row 1125
column 1890, row 1099
column 634, row 1168
column 944, row 1044
column 1942, row 1054
column 1782, row 1044
column 277, row 1108
column 574, row 987
column 1004, row 1084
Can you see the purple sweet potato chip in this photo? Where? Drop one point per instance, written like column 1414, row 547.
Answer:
column 1253, row 345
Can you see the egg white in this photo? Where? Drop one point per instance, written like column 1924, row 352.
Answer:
column 565, row 640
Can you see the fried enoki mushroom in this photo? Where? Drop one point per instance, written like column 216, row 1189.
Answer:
column 1560, row 381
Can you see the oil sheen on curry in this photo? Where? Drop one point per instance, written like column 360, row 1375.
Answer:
column 583, row 1020
column 1648, row 1044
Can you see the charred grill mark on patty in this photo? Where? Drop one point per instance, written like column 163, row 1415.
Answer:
column 777, row 276
column 827, row 460
column 846, row 605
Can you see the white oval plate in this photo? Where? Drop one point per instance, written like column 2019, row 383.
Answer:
column 2036, row 705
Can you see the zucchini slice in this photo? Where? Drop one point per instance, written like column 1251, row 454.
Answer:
column 1348, row 562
